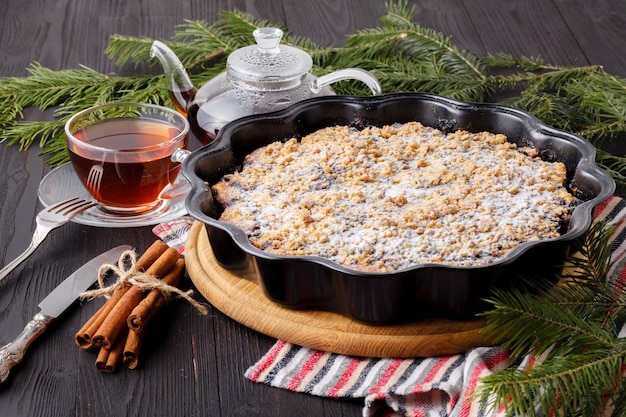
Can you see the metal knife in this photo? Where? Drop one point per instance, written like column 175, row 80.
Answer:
column 53, row 305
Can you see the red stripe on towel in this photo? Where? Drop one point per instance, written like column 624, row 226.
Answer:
column 453, row 401
column 268, row 361
column 354, row 363
column 306, row 369
column 603, row 209
column 466, row 407
column 433, row 373
column 391, row 369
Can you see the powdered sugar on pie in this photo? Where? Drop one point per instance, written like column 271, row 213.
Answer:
column 384, row 199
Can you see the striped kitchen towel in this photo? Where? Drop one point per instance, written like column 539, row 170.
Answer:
column 175, row 232
column 429, row 387
column 441, row 386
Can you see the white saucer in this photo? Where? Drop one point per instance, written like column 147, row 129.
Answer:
column 62, row 183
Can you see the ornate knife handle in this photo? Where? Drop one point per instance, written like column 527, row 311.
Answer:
column 12, row 353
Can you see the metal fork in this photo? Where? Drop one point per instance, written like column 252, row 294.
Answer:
column 47, row 220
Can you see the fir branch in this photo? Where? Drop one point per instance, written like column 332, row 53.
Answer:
column 603, row 106
column 194, row 54
column 43, row 89
column 416, row 43
column 501, row 60
column 556, row 390
column 24, row 134
column 592, row 259
column 202, row 45
column 128, row 48
column 570, row 329
column 239, row 26
column 583, row 100
column 66, row 92
column 399, row 15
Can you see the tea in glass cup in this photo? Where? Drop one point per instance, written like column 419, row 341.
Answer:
column 123, row 154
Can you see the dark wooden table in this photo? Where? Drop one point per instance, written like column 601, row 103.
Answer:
column 194, row 365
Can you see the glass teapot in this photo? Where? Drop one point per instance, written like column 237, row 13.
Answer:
column 258, row 79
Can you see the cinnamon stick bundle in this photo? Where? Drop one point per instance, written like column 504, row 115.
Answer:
column 84, row 336
column 115, row 322
column 118, row 327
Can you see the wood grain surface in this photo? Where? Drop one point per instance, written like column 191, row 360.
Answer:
column 193, row 365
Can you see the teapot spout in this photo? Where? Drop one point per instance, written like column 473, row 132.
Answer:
column 180, row 88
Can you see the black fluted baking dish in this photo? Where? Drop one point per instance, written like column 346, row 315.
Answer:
column 310, row 282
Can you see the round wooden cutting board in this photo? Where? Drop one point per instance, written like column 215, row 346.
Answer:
column 243, row 301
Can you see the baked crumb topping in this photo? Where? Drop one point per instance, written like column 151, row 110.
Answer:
column 384, row 199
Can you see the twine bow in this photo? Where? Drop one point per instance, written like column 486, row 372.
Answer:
column 129, row 275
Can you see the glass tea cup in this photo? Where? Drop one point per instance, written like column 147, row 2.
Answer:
column 127, row 155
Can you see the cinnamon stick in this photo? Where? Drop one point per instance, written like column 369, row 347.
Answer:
column 132, row 348
column 151, row 255
column 154, row 301
column 115, row 322
column 101, row 359
column 84, row 337
column 108, row 360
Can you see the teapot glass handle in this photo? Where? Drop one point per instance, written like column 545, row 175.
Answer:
column 347, row 74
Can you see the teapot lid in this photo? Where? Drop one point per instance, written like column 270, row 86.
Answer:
column 267, row 61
